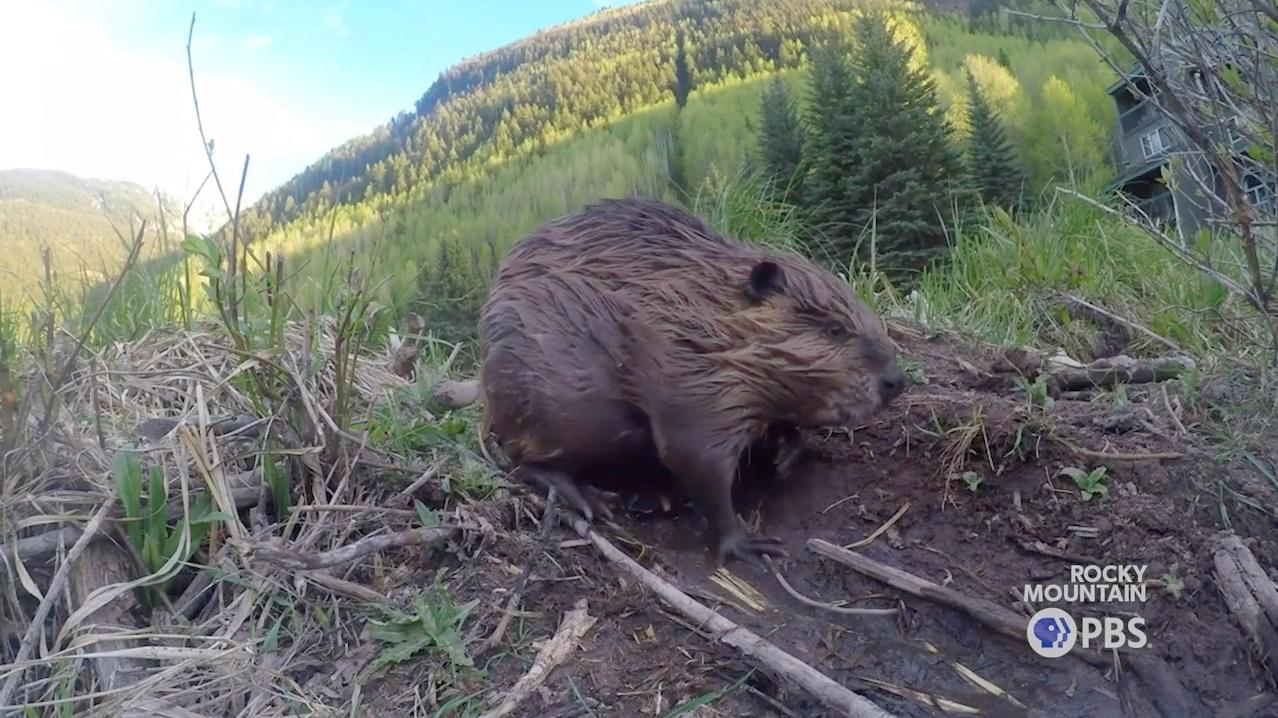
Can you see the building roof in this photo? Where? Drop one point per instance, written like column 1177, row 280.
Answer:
column 1141, row 171
column 1136, row 71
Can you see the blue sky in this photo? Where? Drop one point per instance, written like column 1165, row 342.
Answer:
column 104, row 91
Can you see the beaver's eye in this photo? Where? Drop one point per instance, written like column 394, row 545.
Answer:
column 836, row 331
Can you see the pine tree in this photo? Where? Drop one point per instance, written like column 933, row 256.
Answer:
column 780, row 139
column 828, row 144
column 683, row 74
column 992, row 165
column 452, row 285
column 1003, row 59
column 904, row 166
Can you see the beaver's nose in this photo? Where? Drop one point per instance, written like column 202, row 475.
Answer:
column 891, row 383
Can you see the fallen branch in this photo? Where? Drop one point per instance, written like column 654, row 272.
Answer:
column 41, row 545
column 280, row 553
column 575, row 624
column 1068, row 374
column 1250, row 596
column 342, row 587
column 1119, row 370
column 105, row 564
column 1165, row 690
column 456, row 394
column 753, row 647
column 51, row 596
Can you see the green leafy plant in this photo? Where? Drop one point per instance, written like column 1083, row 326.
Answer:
column 148, row 527
column 428, row 516
column 1090, row 483
column 1118, row 397
column 1037, row 392
column 434, row 625
column 1172, row 584
column 971, row 479
column 278, row 480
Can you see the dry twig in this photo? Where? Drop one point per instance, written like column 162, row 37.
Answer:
column 575, row 624
column 1250, row 595
column 521, row 584
column 753, row 647
column 826, row 606
column 278, row 552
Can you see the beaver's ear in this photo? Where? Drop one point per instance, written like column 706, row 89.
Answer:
column 765, row 278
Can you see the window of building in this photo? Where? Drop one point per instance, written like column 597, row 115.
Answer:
column 1257, row 190
column 1235, row 131
column 1156, row 142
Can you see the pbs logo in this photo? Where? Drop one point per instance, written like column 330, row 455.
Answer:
column 1052, row 632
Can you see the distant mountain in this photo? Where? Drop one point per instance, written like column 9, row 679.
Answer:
column 80, row 220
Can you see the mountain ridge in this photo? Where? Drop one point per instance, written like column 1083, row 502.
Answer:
column 86, row 223
column 558, row 81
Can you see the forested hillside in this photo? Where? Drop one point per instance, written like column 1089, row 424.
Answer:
column 601, row 108
column 530, row 94
column 76, row 218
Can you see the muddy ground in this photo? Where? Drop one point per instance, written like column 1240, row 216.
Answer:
column 968, row 414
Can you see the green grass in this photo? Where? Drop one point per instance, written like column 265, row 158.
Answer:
column 1001, row 278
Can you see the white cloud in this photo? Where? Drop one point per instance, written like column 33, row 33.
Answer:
column 256, row 42
column 77, row 101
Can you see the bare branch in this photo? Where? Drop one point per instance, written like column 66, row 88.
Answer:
column 199, row 121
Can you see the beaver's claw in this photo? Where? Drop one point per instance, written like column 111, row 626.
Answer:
column 750, row 548
column 584, row 499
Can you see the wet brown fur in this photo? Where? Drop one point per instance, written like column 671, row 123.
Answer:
column 630, row 341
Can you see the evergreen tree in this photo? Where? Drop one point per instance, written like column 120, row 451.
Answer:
column 780, row 138
column 829, row 142
column 992, row 165
column 1003, row 59
column 452, row 286
column 683, row 74
column 904, row 167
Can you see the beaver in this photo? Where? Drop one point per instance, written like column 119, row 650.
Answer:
column 629, row 342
